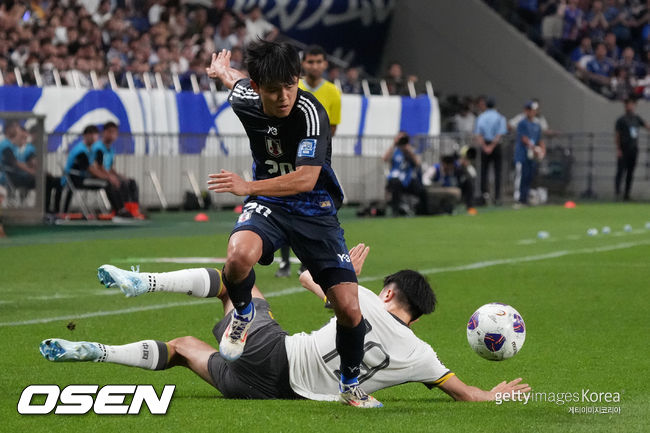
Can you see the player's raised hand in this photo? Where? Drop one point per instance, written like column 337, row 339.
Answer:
column 219, row 65
column 358, row 255
column 514, row 388
column 227, row 181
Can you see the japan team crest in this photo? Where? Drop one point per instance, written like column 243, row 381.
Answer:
column 273, row 147
column 244, row 217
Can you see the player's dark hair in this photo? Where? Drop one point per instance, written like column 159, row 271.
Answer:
column 404, row 139
column 471, row 154
column 314, row 50
column 91, row 129
column 413, row 291
column 110, row 124
column 448, row 159
column 11, row 127
column 270, row 63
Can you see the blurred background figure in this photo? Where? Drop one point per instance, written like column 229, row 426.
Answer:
column 490, row 129
column 627, row 149
column 404, row 176
column 529, row 150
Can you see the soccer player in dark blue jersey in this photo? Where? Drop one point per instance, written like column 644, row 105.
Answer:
column 293, row 200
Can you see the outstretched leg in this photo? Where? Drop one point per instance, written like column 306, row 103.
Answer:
column 199, row 282
column 148, row 354
column 187, row 352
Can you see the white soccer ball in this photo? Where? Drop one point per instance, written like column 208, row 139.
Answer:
column 496, row 331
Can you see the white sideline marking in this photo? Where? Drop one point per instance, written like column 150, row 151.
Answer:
column 514, row 260
column 187, row 260
column 577, row 237
column 55, row 296
column 526, row 241
column 293, row 290
column 288, row 291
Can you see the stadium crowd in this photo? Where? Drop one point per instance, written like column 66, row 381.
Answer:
column 605, row 43
column 143, row 37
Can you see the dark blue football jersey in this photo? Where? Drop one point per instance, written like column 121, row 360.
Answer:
column 280, row 145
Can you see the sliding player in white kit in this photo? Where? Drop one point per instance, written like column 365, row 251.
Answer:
column 275, row 365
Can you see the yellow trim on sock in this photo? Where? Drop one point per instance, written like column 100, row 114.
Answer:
column 169, row 354
column 443, row 379
column 221, row 286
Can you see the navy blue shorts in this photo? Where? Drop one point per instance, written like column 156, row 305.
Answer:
column 316, row 240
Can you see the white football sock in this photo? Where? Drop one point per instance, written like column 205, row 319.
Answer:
column 198, row 282
column 149, row 354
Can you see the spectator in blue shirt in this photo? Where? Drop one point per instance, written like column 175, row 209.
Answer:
column 403, row 177
column 628, row 62
column 450, row 180
column 600, row 69
column 529, row 149
column 85, row 171
column 490, row 128
column 613, row 50
column 619, row 18
column 104, row 154
column 26, row 153
column 597, row 24
column 584, row 49
column 17, row 172
column 572, row 17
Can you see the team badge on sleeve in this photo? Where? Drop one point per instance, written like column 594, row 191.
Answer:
column 307, row 148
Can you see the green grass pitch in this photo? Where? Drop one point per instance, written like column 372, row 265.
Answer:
column 584, row 300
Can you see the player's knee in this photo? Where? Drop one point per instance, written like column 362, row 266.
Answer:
column 181, row 345
column 240, row 261
column 349, row 315
column 346, row 306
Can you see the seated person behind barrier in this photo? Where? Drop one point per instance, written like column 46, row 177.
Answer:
column 85, row 172
column 403, row 177
column 104, row 155
column 26, row 153
column 19, row 174
column 442, row 182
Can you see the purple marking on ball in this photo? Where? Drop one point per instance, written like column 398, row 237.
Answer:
column 494, row 342
column 519, row 326
column 473, row 321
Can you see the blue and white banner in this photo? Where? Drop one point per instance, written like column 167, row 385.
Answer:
column 354, row 30
column 189, row 119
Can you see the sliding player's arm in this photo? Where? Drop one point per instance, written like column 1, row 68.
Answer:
column 358, row 255
column 460, row 391
column 220, row 69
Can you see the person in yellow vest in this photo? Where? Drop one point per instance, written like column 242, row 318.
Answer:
column 314, row 64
